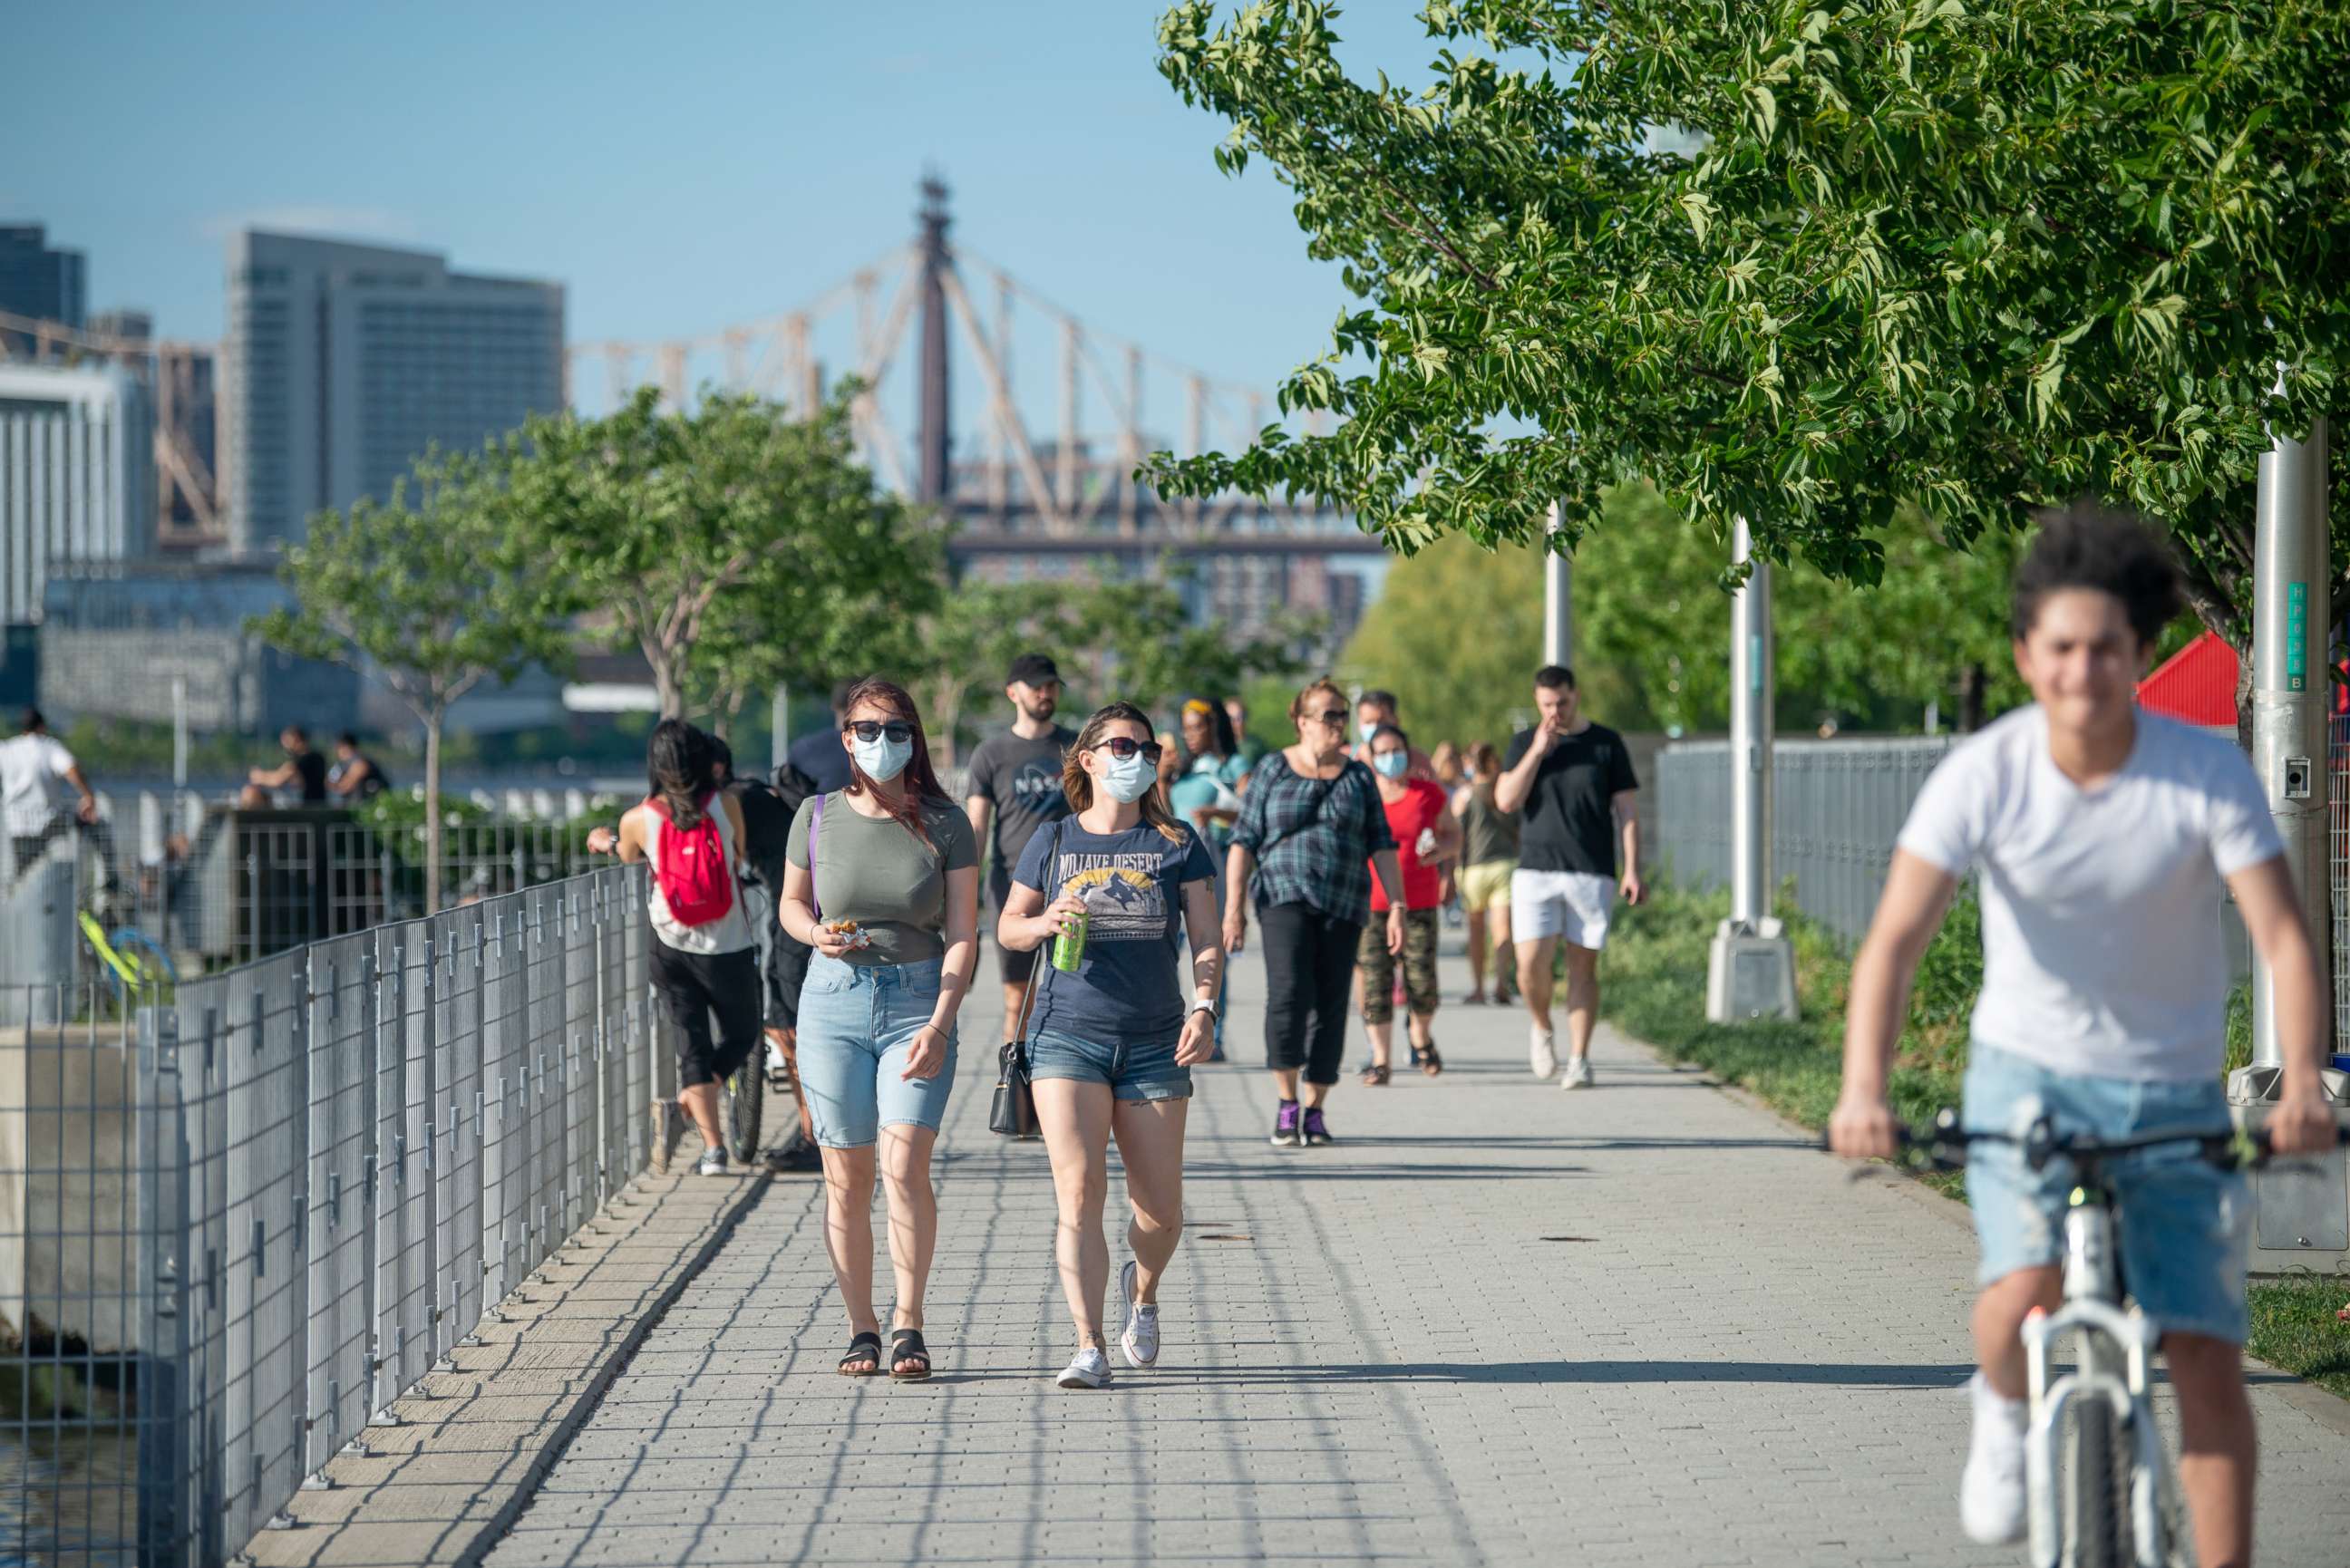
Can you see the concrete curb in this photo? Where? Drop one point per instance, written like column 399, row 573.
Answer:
column 477, row 1441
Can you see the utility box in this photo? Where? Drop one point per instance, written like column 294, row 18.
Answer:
column 1749, row 972
column 2301, row 1205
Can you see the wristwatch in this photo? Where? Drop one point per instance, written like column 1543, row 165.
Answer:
column 1207, row 1007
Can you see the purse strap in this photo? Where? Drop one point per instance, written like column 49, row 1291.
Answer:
column 815, row 827
column 1019, row 1040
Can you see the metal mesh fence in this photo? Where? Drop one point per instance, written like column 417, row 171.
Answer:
column 1837, row 806
column 176, row 886
column 237, row 1220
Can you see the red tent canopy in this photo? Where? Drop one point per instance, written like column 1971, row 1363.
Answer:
column 2197, row 685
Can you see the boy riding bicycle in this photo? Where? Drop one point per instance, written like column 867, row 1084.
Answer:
column 2103, row 836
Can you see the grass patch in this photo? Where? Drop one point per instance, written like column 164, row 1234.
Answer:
column 2295, row 1329
column 1655, row 990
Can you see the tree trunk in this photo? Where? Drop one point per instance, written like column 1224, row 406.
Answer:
column 2243, row 693
column 432, row 829
column 668, row 688
column 1974, row 687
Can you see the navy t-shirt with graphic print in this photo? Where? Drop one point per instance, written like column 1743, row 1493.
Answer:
column 1128, row 985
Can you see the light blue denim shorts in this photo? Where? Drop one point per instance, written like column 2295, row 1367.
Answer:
column 2185, row 1227
column 1133, row 1073
column 858, row 1023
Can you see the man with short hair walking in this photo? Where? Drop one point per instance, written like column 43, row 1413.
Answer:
column 1572, row 783
column 1015, row 789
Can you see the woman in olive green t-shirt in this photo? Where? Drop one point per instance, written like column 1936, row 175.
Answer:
column 882, row 880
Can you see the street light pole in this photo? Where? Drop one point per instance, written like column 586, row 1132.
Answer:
column 2294, row 1223
column 2292, row 620
column 1751, row 971
column 1559, row 602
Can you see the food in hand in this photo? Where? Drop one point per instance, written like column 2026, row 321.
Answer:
column 849, row 933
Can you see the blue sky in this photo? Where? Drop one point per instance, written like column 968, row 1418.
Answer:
column 681, row 167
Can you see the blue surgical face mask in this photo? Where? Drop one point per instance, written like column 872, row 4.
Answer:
column 882, row 759
column 1127, row 779
column 1367, row 731
column 1391, row 764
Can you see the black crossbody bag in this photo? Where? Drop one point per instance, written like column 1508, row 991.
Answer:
column 1012, row 1113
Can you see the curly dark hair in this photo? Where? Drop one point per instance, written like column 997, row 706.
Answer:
column 2085, row 547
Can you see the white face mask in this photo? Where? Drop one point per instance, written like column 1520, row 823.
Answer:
column 1127, row 779
column 882, row 759
column 1367, row 731
column 1391, row 764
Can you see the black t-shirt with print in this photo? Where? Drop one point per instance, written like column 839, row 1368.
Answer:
column 1022, row 779
column 1568, row 822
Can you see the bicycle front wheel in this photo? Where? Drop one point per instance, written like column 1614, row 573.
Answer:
column 746, row 1094
column 2098, row 1450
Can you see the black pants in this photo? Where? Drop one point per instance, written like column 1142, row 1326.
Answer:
column 693, row 987
column 1309, row 965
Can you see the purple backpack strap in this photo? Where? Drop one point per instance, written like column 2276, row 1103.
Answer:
column 815, row 827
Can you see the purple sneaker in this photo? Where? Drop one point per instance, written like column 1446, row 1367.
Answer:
column 1315, row 1132
column 1285, row 1131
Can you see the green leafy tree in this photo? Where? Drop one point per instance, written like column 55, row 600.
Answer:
column 726, row 544
column 428, row 600
column 1458, row 631
column 1134, row 640
column 1807, row 263
column 963, row 645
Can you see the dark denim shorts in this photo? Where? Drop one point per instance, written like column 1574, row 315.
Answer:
column 1133, row 1073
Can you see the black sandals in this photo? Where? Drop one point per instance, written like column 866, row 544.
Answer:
column 864, row 1348
column 906, row 1345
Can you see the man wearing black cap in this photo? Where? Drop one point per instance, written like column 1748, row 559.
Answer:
column 1015, row 789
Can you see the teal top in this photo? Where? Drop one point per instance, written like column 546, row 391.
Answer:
column 1200, row 786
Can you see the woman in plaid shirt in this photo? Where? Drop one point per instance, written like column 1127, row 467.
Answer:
column 1311, row 830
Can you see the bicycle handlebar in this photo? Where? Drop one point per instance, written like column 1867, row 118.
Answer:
column 1944, row 1145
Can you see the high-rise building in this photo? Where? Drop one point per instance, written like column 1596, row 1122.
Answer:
column 343, row 362
column 35, row 281
column 76, row 477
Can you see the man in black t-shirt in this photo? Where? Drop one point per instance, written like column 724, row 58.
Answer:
column 304, row 771
column 1015, row 789
column 1572, row 782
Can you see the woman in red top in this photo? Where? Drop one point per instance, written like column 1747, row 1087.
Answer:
column 1428, row 842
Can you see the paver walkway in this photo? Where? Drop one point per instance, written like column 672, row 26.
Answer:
column 1497, row 1324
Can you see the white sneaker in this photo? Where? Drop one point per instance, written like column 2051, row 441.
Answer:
column 1991, row 1508
column 1140, row 1340
column 713, row 1162
column 1089, row 1370
column 1542, row 1051
column 1578, row 1074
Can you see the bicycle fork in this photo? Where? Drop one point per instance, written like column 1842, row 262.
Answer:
column 2091, row 1310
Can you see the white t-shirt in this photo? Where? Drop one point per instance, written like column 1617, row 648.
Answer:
column 2101, row 947
column 31, row 769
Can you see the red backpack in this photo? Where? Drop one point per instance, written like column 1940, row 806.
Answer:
column 691, row 869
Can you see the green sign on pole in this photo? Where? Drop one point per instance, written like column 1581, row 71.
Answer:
column 2296, row 636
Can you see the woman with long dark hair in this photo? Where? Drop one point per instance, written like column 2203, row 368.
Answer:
column 882, row 880
column 1311, row 835
column 1112, row 1040
column 705, row 962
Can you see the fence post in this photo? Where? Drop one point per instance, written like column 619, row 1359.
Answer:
column 163, row 1365
column 428, row 1051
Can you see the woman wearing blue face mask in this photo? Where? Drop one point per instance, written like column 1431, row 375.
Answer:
column 882, row 880
column 1112, row 1043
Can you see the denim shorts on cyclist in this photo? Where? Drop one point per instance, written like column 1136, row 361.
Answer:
column 2185, row 1227
column 858, row 1023
column 1132, row 1072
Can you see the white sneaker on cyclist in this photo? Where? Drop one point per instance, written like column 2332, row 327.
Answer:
column 1577, row 1074
column 1089, row 1370
column 1542, row 1051
column 1140, row 1340
column 1991, row 1507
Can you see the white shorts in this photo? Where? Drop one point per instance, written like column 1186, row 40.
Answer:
column 1571, row 903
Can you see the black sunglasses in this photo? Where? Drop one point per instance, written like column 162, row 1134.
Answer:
column 1125, row 746
column 874, row 729
column 1334, row 717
